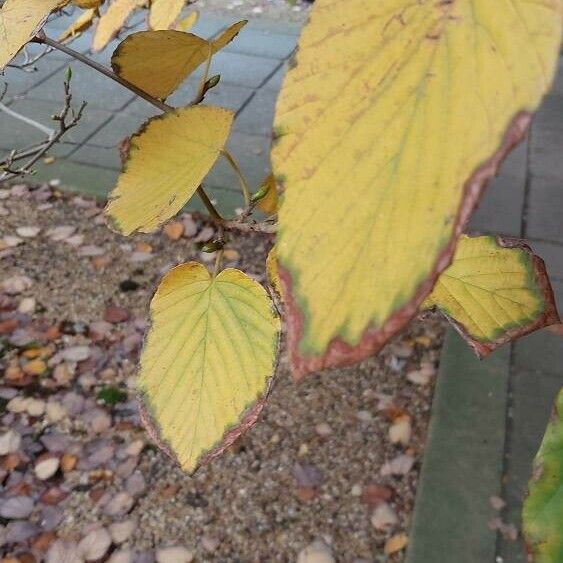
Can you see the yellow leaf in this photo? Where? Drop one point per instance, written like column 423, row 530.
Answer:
column 167, row 160
column 88, row 4
column 390, row 122
column 494, row 291
column 82, row 23
column 272, row 272
column 164, row 13
column 159, row 61
column 208, row 360
column 20, row 20
column 269, row 202
column 188, row 22
column 113, row 20
column 225, row 37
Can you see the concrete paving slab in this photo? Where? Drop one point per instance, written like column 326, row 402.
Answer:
column 545, row 206
column 275, row 81
column 18, row 134
column 540, row 352
column 87, row 84
column 552, row 255
column 243, row 70
column 19, row 82
column 547, row 139
column 116, row 129
column 223, row 95
column 257, row 117
column 97, row 156
column 463, row 459
column 252, row 154
column 263, row 43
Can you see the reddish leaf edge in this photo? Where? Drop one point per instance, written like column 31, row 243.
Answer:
column 548, row 317
column 231, row 435
column 339, row 353
column 247, row 420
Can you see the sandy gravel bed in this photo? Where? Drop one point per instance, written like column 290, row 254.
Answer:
column 334, row 461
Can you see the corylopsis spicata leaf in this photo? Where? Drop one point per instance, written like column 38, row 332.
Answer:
column 389, row 124
column 208, row 360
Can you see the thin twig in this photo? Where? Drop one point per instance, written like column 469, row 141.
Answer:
column 37, row 152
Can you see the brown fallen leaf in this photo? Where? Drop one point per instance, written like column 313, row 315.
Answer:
column 374, row 494
column 396, row 543
column 174, row 230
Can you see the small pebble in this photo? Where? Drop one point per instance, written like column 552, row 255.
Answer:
column 317, row 552
column 175, row 554
column 9, row 442
column 46, row 468
column 95, row 544
column 16, row 507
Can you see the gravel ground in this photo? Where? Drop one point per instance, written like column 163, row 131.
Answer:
column 333, row 461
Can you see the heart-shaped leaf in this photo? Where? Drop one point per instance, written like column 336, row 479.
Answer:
column 208, row 360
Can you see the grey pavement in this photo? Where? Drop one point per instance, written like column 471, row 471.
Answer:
column 488, row 417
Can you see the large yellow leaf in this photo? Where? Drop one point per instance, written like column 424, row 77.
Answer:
column 166, row 162
column 164, row 13
column 159, row 61
column 20, row 20
column 113, row 20
column 80, row 24
column 390, row 122
column 88, row 4
column 494, row 291
column 208, row 360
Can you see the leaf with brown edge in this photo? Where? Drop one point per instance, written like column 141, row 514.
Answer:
column 170, row 55
column 20, row 20
column 390, row 122
column 208, row 361
column 163, row 13
column 495, row 291
column 79, row 25
column 166, row 162
column 113, row 20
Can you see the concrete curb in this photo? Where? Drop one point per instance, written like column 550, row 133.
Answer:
column 463, row 463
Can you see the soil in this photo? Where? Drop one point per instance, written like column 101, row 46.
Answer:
column 311, row 469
